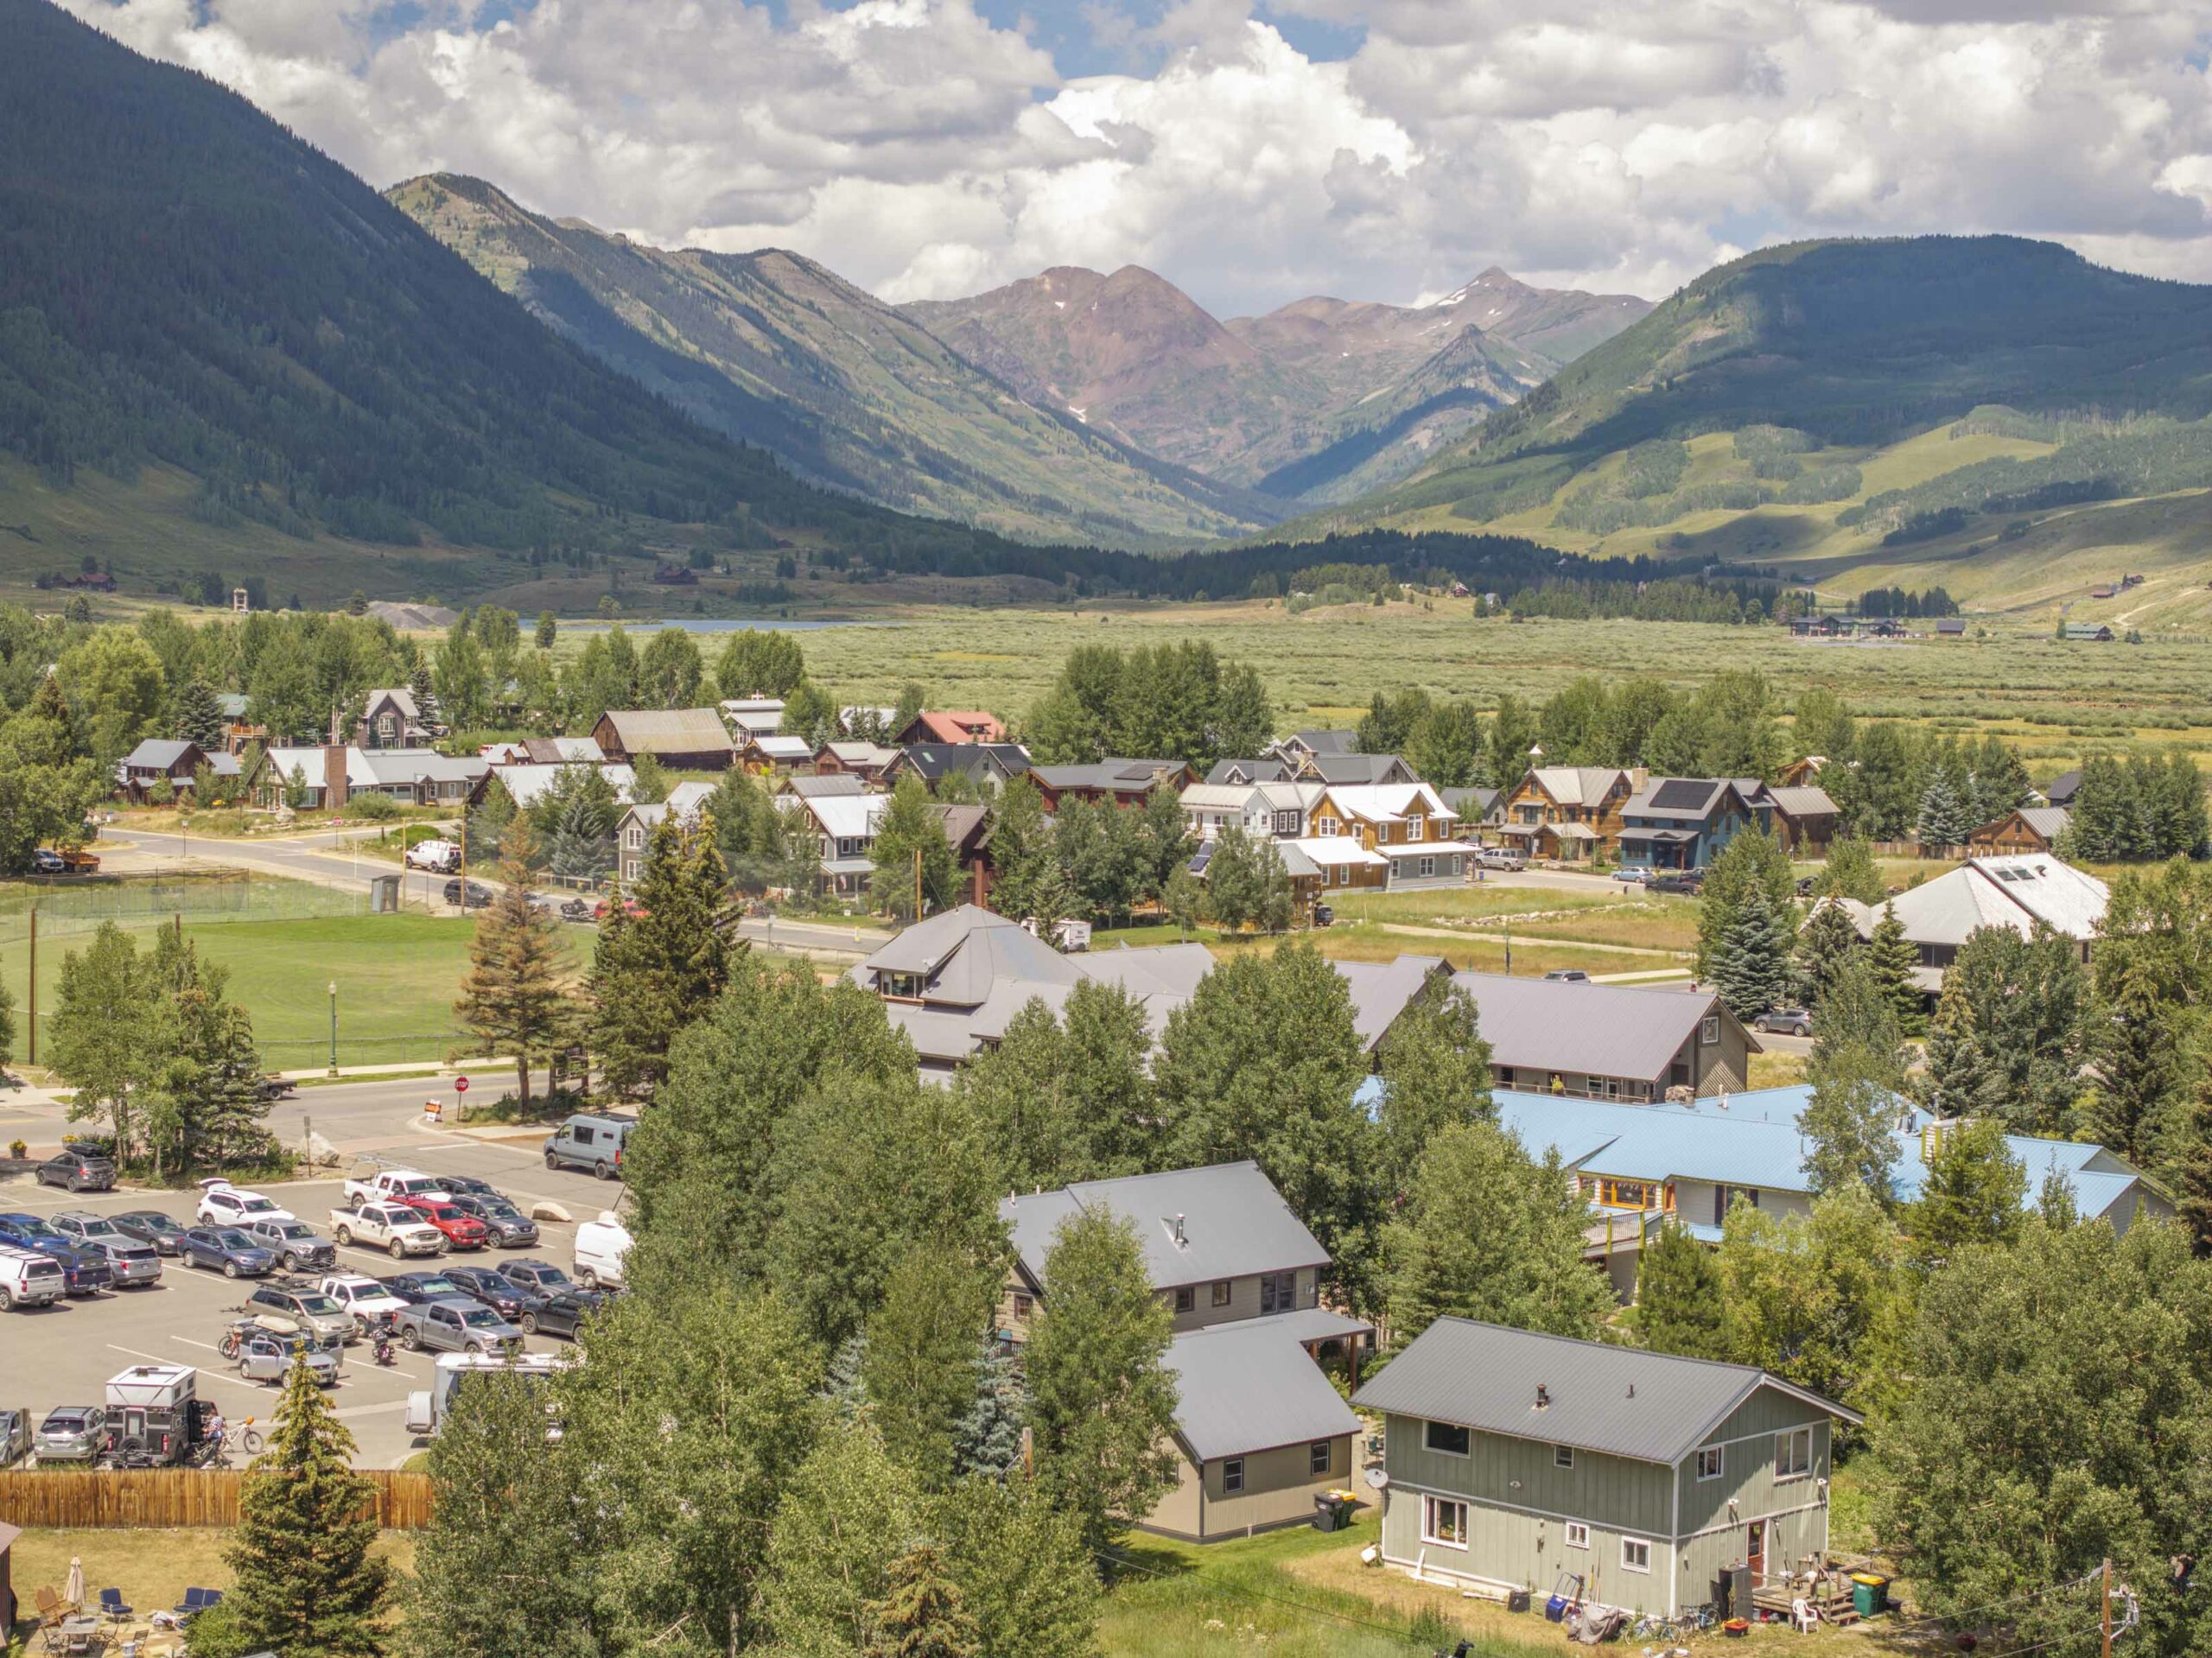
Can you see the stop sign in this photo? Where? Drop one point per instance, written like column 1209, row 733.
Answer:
column 461, row 1084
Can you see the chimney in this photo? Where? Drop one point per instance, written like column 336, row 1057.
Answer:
column 1543, row 1397
column 333, row 769
column 1182, row 1240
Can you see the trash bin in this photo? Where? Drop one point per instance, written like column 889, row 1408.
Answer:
column 1870, row 1593
column 1516, row 1600
column 1330, row 1512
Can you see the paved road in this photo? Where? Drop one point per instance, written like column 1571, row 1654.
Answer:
column 64, row 1354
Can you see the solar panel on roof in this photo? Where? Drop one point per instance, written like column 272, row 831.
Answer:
column 1682, row 794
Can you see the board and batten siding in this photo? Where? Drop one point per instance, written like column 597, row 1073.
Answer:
column 1280, row 1486
column 1523, row 1550
column 1747, row 1442
column 1634, row 1496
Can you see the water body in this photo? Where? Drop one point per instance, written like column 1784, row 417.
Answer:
column 696, row 625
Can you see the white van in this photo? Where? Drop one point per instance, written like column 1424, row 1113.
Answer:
column 602, row 1247
column 442, row 857
column 28, row 1279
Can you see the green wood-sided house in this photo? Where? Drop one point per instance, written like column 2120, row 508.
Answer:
column 1513, row 1458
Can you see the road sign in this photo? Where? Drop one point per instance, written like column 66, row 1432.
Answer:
column 461, row 1084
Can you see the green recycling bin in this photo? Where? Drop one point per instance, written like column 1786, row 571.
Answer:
column 1870, row 1593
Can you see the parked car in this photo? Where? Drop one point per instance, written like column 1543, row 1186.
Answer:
column 150, row 1226
column 538, row 1277
column 456, row 1325
column 477, row 894
column 1325, row 915
column 439, row 857
column 295, row 1243
column 1631, row 874
column 461, row 1229
column 467, row 1186
column 47, row 861
column 602, row 1247
column 501, row 1295
column 417, row 1288
column 29, row 1278
column 82, row 1226
column 561, row 1312
column 15, row 1437
column 589, row 1142
column 266, row 1357
column 1688, row 882
column 132, row 1264
column 299, row 1308
column 70, row 1433
column 1500, row 857
column 1567, row 975
column 224, row 1249
column 77, row 1171
column 1787, row 1021
column 509, row 1227
column 394, row 1228
column 366, row 1298
column 83, row 1273
column 368, row 1183
column 222, row 1204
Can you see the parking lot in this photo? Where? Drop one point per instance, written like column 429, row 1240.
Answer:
column 63, row 1354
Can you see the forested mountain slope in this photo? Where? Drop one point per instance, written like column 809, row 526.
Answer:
column 773, row 349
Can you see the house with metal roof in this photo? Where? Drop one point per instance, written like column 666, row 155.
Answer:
column 327, row 777
column 1570, row 813
column 865, row 760
column 953, row 725
column 1354, row 771
column 1275, row 811
column 526, row 784
column 1260, row 1428
column 1407, row 824
column 1239, row 772
column 1513, row 1459
column 1684, row 822
column 683, row 740
column 390, row 720
column 989, row 766
column 2026, row 829
column 2062, row 788
column 1303, row 746
column 1805, row 818
column 845, row 826
column 1109, row 782
column 2018, row 892
column 633, row 830
column 752, row 716
column 158, row 757
column 954, row 981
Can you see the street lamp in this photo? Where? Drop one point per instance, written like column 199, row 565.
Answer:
column 333, row 1028
column 184, row 826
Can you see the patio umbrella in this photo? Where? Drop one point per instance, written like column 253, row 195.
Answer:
column 73, row 1590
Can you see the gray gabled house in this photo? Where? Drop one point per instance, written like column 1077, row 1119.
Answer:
column 1513, row 1458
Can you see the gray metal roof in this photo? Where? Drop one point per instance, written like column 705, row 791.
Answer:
column 1603, row 1030
column 157, row 753
column 1380, row 991
column 1257, row 770
column 830, row 782
column 669, row 731
column 1234, row 1223
column 1249, row 1386
column 1361, row 768
column 1622, row 1401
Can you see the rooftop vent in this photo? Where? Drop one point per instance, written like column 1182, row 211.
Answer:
column 1543, row 1397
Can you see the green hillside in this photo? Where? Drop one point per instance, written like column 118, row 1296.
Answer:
column 771, row 348
column 186, row 289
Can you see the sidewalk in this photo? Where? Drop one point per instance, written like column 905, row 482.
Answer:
column 401, row 1068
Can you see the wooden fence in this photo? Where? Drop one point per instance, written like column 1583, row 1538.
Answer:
column 178, row 1496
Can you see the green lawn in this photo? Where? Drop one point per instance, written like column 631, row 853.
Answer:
column 397, row 977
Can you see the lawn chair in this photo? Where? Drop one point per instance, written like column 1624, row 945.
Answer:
column 50, row 1605
column 111, row 1606
column 195, row 1601
column 1802, row 1617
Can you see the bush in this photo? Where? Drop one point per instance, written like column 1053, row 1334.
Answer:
column 377, row 809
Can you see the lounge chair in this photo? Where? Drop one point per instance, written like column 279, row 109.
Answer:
column 50, row 1605
column 111, row 1606
column 197, row 1601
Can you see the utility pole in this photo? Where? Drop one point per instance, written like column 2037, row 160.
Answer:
column 1509, row 946
column 34, row 1021
column 2105, row 1595
column 333, row 1028
column 918, row 884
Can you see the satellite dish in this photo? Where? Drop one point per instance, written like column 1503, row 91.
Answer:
column 1378, row 1477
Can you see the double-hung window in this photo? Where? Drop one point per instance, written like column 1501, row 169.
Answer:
column 1444, row 1521
column 1278, row 1292
column 1578, row 1534
column 1317, row 1459
column 1562, row 1456
column 1232, row 1476
column 1636, row 1554
column 1186, row 1299
column 1223, row 1291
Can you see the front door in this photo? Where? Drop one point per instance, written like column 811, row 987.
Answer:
column 1756, row 1551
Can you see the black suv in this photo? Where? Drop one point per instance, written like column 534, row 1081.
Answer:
column 560, row 1313
column 477, row 895
column 77, row 1172
column 537, row 1277
column 504, row 1296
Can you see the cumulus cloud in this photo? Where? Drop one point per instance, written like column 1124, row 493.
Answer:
column 924, row 150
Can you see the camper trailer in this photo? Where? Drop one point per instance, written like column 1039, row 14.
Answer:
column 152, row 1414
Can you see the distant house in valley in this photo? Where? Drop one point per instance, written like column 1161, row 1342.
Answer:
column 753, row 716
column 633, row 830
column 989, row 766
column 1570, row 813
column 1805, row 818
column 2030, row 828
column 1516, row 1458
column 773, row 754
column 845, row 826
column 951, row 726
column 1820, row 627
column 390, row 720
column 331, row 776
column 1259, row 1428
column 2019, row 892
column 1951, row 627
column 865, row 760
column 681, row 740
column 175, row 760
column 2062, row 789
column 1109, row 782
column 1684, row 822
column 2085, row 633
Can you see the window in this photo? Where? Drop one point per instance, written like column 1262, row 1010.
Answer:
column 1448, row 1438
column 1186, row 1299
column 581, row 1134
column 1278, row 1292
column 1636, row 1554
column 1427, row 867
column 1222, row 1292
column 1317, row 1459
column 1562, row 1456
column 1232, row 1476
column 1286, row 822
column 1326, row 827
column 1024, row 1305
column 1578, row 1534
column 1710, row 1460
column 1382, row 833
column 1343, row 875
column 1793, row 1453
column 1443, row 1521
column 1416, row 826
column 633, row 837
column 1709, row 1032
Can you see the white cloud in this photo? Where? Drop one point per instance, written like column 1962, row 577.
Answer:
column 922, row 151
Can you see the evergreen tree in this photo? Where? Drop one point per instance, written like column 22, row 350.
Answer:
column 987, row 1439
column 655, row 972
column 1749, row 963
column 549, row 629
column 921, row 1614
column 418, row 687
column 1855, row 1028
column 908, row 828
column 1024, row 1573
column 1851, row 872
column 648, row 781
column 935, row 1308
column 1678, row 1296
column 2191, row 1165
column 2022, row 1004
column 1512, row 733
column 488, row 824
column 1944, row 817
column 516, row 998
column 844, row 1384
column 1961, row 1076
column 1435, row 1069
column 196, row 717
column 1827, row 940
column 1893, row 959
column 1753, row 859
column 2136, row 1051
column 305, row 1582
column 1021, row 847
column 1102, row 1398
column 1491, row 1234
column 1972, row 1193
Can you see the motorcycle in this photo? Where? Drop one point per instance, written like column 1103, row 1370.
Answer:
column 380, row 1350
column 575, row 909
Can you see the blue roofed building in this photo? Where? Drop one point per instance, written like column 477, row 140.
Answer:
column 1683, row 823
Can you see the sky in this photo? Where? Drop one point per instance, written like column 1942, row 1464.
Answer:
column 1257, row 151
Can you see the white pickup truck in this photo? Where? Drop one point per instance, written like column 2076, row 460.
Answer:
column 392, row 1226
column 369, row 1302
column 370, row 1185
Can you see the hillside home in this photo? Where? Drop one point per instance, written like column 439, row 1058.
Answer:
column 819, row 785
column 2019, row 892
column 1352, row 771
column 770, row 755
column 1476, row 808
column 1266, row 811
column 1569, row 813
column 2030, row 828
column 1239, row 773
column 1295, row 750
column 1114, row 781
column 2062, row 789
column 989, row 766
column 390, row 720
column 239, row 730
column 845, row 827
column 953, row 726
column 171, row 757
column 954, row 981
column 1683, row 823
column 1804, row 819
column 544, row 751
column 633, row 830
column 1951, row 627
column 1259, row 1428
column 1514, row 1458
column 2085, row 632
column 681, row 740
column 865, row 760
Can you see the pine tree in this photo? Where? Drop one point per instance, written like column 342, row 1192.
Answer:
column 549, row 629
column 1750, row 860
column 1973, row 1192
column 305, row 1584
column 988, row 1438
column 1679, row 1300
column 418, row 687
column 196, row 717
column 1828, row 939
column 2192, row 1166
column 2137, row 1055
column 655, row 972
column 1750, row 965
column 516, row 998
column 843, row 1384
column 920, row 1615
column 1943, row 815
column 1958, row 1079
column 1894, row 959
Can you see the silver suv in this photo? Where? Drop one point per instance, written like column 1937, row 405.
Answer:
column 72, row 1433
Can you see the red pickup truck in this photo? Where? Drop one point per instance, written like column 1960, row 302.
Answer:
column 461, row 1230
